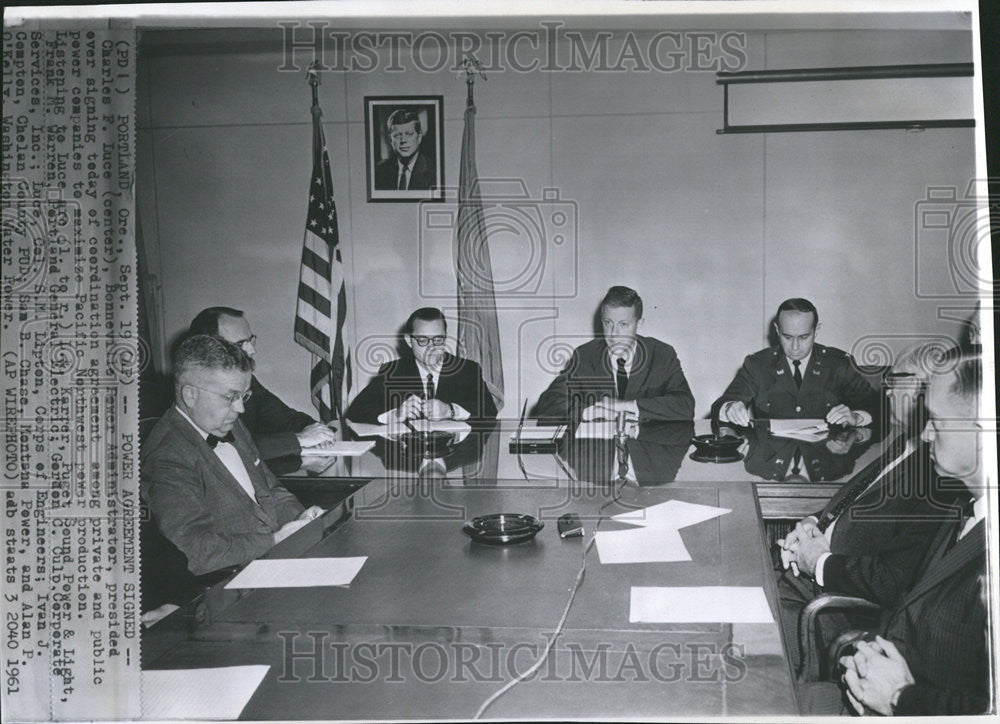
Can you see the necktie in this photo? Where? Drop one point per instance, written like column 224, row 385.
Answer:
column 212, row 440
column 856, row 487
column 430, row 386
column 798, row 373
column 401, row 186
column 621, row 378
column 796, row 460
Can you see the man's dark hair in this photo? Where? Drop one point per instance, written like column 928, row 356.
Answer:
column 623, row 297
column 424, row 314
column 207, row 320
column 402, row 116
column 207, row 352
column 797, row 304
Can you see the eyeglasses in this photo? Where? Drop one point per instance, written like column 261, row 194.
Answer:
column 252, row 340
column 231, row 398
column 422, row 341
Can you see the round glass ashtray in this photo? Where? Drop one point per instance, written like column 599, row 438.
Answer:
column 716, row 448
column 502, row 528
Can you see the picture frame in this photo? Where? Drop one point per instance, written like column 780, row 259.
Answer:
column 418, row 137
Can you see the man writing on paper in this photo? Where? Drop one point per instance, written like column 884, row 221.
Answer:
column 798, row 378
column 407, row 169
column 429, row 383
column 202, row 475
column 932, row 649
column 619, row 372
column 868, row 541
column 277, row 429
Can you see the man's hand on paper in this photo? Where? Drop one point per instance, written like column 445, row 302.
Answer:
column 316, row 435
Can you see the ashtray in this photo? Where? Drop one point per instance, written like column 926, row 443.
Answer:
column 502, row 529
column 717, row 448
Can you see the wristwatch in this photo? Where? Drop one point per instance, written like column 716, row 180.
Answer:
column 451, row 411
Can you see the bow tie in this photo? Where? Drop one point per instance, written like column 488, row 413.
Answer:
column 212, row 440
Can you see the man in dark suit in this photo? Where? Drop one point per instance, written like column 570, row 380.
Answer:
column 407, row 169
column 871, row 536
column 429, row 383
column 202, row 476
column 619, row 372
column 277, row 429
column 798, row 378
column 931, row 654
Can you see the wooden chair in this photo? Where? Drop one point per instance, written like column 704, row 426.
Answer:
column 818, row 665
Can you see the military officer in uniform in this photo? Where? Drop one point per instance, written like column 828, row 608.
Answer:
column 798, row 378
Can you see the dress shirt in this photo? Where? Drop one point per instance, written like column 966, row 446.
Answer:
column 978, row 514
column 628, row 354
column 460, row 413
column 821, row 561
column 230, row 457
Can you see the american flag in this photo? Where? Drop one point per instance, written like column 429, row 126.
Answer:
column 322, row 300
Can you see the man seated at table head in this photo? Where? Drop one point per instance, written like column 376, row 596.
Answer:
column 202, row 475
column 620, row 372
column 798, row 378
column 869, row 540
column 427, row 382
column 277, row 429
column 932, row 652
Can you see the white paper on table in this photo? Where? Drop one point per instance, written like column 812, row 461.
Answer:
column 220, row 693
column 808, row 430
column 298, row 572
column 673, row 513
column 699, row 604
column 641, row 545
column 341, row 448
column 423, row 425
column 597, row 430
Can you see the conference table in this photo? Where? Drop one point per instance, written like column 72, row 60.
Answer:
column 434, row 623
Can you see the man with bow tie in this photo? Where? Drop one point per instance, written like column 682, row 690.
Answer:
column 930, row 652
column 202, row 475
column 798, row 378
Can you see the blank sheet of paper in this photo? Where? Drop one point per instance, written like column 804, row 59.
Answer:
column 199, row 693
column 699, row 604
column 597, row 430
column 641, row 545
column 298, row 572
column 341, row 448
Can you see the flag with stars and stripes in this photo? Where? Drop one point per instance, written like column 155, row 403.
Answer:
column 322, row 298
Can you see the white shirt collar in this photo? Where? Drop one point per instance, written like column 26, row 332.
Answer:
column 803, row 363
column 424, row 371
column 628, row 354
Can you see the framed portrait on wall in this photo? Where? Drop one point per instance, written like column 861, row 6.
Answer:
column 404, row 138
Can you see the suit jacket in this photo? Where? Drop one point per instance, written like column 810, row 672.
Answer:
column 939, row 626
column 272, row 423
column 879, row 541
column 422, row 177
column 656, row 382
column 200, row 507
column 460, row 382
column 765, row 385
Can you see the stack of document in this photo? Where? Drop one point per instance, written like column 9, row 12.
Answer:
column 807, row 430
column 538, row 439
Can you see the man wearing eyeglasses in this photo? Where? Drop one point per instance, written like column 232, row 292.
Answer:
column 277, row 429
column 429, row 383
column 407, row 169
column 202, row 476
